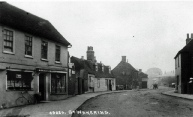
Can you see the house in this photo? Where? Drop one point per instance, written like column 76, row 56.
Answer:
column 92, row 76
column 126, row 75
column 184, row 66
column 33, row 57
column 143, row 79
column 84, row 74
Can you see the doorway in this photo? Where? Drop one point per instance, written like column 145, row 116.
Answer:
column 42, row 86
column 110, row 85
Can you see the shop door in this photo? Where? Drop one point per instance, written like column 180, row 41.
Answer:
column 42, row 86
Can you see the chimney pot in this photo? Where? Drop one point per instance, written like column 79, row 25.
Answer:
column 187, row 36
column 189, row 39
column 191, row 35
column 124, row 58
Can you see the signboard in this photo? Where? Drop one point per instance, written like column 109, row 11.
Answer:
column 18, row 75
column 73, row 72
column 70, row 65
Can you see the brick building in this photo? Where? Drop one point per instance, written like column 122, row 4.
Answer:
column 126, row 75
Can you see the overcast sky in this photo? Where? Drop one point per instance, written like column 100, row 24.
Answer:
column 149, row 33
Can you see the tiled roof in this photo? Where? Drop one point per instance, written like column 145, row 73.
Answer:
column 89, row 67
column 14, row 17
column 123, row 67
column 142, row 75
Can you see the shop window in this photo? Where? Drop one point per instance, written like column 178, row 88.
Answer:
column 19, row 80
column 58, row 83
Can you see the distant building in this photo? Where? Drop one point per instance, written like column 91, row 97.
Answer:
column 154, row 76
column 126, row 75
column 143, row 79
column 33, row 57
column 184, row 66
column 92, row 76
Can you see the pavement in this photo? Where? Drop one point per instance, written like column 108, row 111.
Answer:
column 61, row 108
column 184, row 96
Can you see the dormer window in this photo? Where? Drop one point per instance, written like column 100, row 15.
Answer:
column 109, row 70
column 96, row 67
column 102, row 67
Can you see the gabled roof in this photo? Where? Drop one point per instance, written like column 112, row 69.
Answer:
column 186, row 48
column 125, row 67
column 142, row 75
column 82, row 64
column 103, row 74
column 19, row 19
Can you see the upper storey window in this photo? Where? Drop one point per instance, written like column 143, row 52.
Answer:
column 8, row 40
column 28, row 45
column 57, row 54
column 44, row 50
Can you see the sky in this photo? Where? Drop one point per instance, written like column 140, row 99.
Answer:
column 149, row 33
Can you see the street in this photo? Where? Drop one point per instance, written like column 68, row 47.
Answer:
column 143, row 103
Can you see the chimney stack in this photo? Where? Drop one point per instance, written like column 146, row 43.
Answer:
column 90, row 54
column 191, row 35
column 82, row 57
column 124, row 58
column 187, row 36
column 189, row 39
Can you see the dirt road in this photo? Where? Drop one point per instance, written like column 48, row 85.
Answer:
column 144, row 103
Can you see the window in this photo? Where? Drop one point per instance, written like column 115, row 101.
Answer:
column 112, row 82
column 96, row 67
column 8, row 40
column 179, row 61
column 44, row 50
column 90, row 79
column 109, row 70
column 19, row 80
column 58, row 83
column 57, row 56
column 103, row 68
column 28, row 45
column 98, row 83
column 106, row 82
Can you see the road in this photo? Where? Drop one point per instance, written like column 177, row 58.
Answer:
column 143, row 103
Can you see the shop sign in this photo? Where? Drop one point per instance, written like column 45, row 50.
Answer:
column 18, row 75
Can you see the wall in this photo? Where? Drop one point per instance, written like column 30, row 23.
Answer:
column 17, row 60
column 178, row 72
column 103, row 86
column 19, row 55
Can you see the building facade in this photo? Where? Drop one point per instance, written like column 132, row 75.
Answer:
column 126, row 75
column 184, row 67
column 33, row 57
column 92, row 76
column 143, row 79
